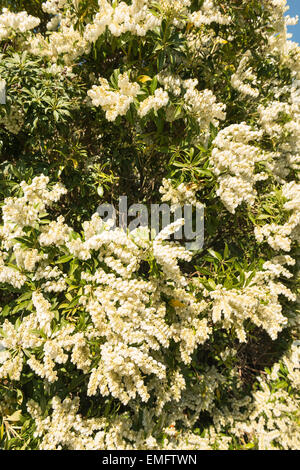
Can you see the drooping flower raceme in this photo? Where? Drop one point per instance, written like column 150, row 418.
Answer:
column 16, row 22
column 114, row 102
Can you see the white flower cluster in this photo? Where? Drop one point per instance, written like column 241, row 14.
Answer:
column 155, row 102
column 16, row 22
column 43, row 312
column 139, row 17
column 116, row 308
column 128, row 314
column 279, row 43
column 244, row 79
column 114, row 102
column 258, row 301
column 27, row 259
column 136, row 18
column 174, row 7
column 64, row 39
column 171, row 83
column 175, row 10
column 35, row 334
column 11, row 275
column 119, row 311
column 66, row 428
column 178, row 196
column 280, row 237
column 209, row 13
column 53, row 7
column 271, row 118
column 66, row 42
column 22, row 212
column 26, row 210
column 272, row 418
column 233, row 158
column 117, row 102
column 266, row 417
column 203, row 106
column 54, row 23
column 280, row 121
column 234, row 307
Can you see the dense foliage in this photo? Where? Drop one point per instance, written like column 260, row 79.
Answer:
column 114, row 340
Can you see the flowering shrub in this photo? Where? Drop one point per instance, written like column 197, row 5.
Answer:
column 126, row 340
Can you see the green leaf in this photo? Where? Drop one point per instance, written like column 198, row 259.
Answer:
column 64, row 259
column 215, row 254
